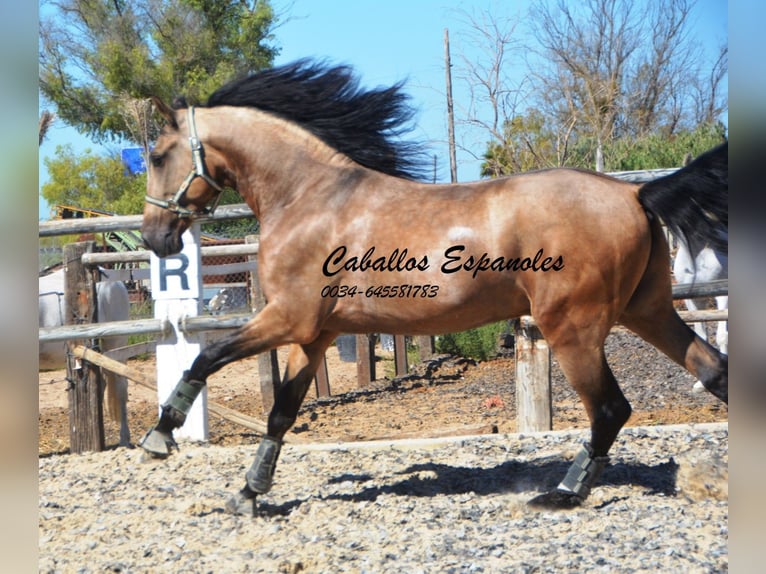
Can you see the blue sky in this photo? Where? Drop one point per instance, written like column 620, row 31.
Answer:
column 393, row 40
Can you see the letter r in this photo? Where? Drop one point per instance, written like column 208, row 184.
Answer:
column 180, row 271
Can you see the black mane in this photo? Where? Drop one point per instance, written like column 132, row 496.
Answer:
column 365, row 125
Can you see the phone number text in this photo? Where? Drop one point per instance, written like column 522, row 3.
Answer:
column 387, row 291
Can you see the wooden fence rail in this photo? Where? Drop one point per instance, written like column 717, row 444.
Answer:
column 234, row 321
column 129, row 222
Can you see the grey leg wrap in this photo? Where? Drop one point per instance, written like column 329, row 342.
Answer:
column 158, row 441
column 260, row 476
column 182, row 398
column 583, row 473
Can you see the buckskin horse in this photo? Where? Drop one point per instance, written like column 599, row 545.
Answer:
column 321, row 163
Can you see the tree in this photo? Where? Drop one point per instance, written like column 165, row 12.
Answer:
column 489, row 81
column 91, row 181
column 98, row 55
column 618, row 69
column 655, row 151
column 597, row 73
column 527, row 143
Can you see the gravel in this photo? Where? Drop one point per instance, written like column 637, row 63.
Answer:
column 445, row 505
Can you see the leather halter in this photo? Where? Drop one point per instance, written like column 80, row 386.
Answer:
column 198, row 170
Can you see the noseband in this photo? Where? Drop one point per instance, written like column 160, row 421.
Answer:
column 198, row 170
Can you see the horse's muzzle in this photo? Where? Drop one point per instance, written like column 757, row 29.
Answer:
column 163, row 244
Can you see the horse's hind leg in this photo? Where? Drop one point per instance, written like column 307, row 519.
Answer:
column 579, row 349
column 302, row 364
column 666, row 330
column 650, row 314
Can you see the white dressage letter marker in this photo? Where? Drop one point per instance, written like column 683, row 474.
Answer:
column 176, row 289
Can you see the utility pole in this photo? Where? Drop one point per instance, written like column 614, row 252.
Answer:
column 450, row 112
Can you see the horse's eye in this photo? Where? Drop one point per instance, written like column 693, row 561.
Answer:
column 157, row 159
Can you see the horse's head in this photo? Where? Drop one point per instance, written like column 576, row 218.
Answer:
column 185, row 181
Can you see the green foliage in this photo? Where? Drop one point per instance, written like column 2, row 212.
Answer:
column 95, row 54
column 236, row 228
column 91, row 181
column 616, row 81
column 528, row 143
column 480, row 343
column 654, row 151
column 658, row 151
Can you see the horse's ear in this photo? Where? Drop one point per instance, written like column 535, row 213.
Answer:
column 165, row 111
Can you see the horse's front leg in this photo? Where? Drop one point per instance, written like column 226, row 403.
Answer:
column 302, row 364
column 264, row 332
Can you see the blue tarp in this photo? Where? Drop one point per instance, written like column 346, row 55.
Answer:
column 133, row 159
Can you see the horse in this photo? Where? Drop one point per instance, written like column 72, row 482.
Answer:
column 324, row 167
column 113, row 304
column 703, row 264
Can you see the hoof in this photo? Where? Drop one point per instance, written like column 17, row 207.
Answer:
column 556, row 500
column 698, row 387
column 158, row 444
column 241, row 504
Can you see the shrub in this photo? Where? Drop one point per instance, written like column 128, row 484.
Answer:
column 480, row 343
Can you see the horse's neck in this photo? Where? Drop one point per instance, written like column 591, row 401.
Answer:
column 276, row 162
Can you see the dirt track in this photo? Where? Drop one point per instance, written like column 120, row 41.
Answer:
column 450, row 505
column 447, row 505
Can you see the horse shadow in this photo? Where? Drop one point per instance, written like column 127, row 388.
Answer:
column 428, row 480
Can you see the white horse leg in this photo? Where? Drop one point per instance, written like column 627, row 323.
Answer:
column 708, row 265
column 114, row 305
column 700, row 329
column 121, row 387
column 722, row 334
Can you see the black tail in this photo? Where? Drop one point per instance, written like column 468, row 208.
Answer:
column 694, row 201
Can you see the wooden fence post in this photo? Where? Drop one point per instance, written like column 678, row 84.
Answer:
column 86, row 393
column 400, row 355
column 425, row 344
column 365, row 359
column 533, row 378
column 268, row 364
column 322, row 380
